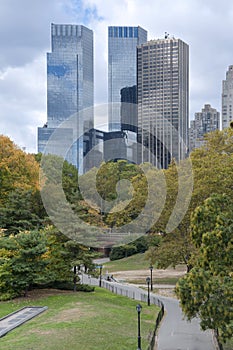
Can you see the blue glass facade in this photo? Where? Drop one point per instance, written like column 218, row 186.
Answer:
column 122, row 65
column 63, row 140
column 70, row 80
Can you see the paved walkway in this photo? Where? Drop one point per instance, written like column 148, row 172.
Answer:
column 175, row 333
column 101, row 260
column 19, row 317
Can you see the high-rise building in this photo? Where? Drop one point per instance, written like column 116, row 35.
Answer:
column 129, row 118
column 163, row 100
column 205, row 121
column 106, row 146
column 122, row 70
column 227, row 98
column 70, row 81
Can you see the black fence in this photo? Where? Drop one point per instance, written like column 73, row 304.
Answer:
column 216, row 340
column 157, row 323
column 138, row 294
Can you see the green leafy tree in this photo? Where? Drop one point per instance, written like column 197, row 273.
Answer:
column 17, row 169
column 23, row 210
column 64, row 256
column 207, row 290
column 22, row 261
column 212, row 167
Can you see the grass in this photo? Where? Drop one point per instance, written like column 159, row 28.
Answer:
column 132, row 263
column 80, row 321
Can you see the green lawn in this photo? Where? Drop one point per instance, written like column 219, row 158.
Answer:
column 80, row 321
column 134, row 262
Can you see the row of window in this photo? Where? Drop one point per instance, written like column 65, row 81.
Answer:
column 161, row 45
column 123, row 32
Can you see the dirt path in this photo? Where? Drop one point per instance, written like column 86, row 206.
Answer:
column 157, row 274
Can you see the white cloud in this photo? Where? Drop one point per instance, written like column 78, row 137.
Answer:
column 23, row 102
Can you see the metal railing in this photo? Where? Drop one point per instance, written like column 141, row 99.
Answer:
column 137, row 294
column 216, row 340
column 157, row 322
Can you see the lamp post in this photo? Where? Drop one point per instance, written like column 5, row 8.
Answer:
column 100, row 280
column 148, row 295
column 139, row 308
column 151, row 280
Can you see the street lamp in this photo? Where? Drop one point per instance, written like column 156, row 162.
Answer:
column 100, row 266
column 148, row 296
column 139, row 308
column 151, row 280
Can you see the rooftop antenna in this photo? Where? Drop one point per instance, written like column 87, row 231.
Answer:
column 166, row 35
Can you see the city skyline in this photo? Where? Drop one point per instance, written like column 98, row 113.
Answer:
column 25, row 40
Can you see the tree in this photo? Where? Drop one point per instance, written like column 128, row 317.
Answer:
column 212, row 167
column 64, row 255
column 207, row 290
column 22, row 261
column 20, row 204
column 17, row 169
column 23, row 210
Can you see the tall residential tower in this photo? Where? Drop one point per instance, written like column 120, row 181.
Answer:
column 163, row 100
column 122, row 67
column 70, row 81
column 227, row 98
column 205, row 121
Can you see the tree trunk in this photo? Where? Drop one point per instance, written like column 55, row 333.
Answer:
column 26, row 292
column 189, row 267
column 75, row 279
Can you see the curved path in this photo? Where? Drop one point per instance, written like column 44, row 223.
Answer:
column 175, row 332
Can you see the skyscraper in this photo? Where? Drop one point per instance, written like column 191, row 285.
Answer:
column 70, row 82
column 227, row 98
column 205, row 121
column 163, row 100
column 122, row 71
column 129, row 108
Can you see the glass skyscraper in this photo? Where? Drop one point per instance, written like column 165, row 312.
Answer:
column 163, row 100
column 70, row 81
column 122, row 66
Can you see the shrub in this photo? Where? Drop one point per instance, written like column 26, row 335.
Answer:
column 140, row 245
column 122, row 251
column 8, row 295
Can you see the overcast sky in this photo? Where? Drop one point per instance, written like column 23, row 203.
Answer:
column 207, row 26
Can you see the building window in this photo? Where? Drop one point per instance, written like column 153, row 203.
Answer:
column 110, row 32
column 115, row 32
